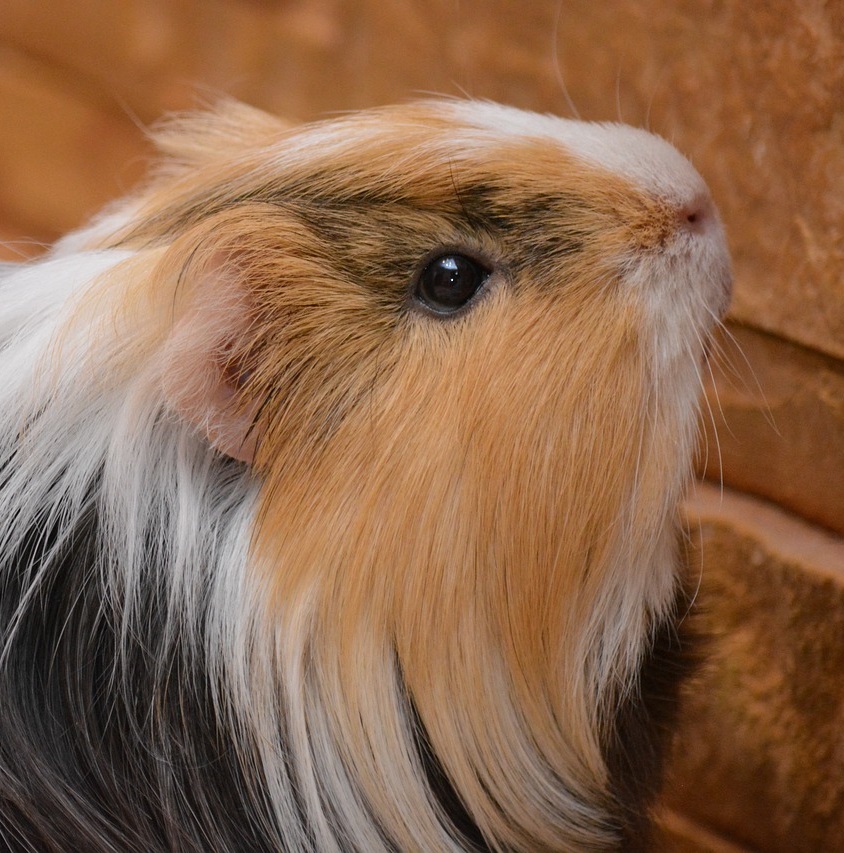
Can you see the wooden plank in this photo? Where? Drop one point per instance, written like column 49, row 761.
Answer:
column 679, row 834
column 154, row 56
column 774, row 425
column 760, row 752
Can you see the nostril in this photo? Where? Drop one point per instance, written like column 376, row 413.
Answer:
column 695, row 214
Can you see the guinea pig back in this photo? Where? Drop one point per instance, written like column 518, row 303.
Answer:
column 340, row 481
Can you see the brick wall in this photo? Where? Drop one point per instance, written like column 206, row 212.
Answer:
column 753, row 93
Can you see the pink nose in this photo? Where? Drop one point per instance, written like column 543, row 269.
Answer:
column 697, row 213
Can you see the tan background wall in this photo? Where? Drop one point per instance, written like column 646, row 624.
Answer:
column 753, row 92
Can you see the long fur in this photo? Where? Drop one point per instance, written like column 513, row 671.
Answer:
column 289, row 564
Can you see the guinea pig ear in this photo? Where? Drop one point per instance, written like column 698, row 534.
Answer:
column 202, row 380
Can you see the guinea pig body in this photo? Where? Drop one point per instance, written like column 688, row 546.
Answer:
column 340, row 475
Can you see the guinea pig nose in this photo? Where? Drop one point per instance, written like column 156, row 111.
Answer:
column 696, row 213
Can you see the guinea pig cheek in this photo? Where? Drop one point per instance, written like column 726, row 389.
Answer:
column 200, row 378
column 676, row 293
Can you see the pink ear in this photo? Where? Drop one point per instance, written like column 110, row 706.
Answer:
column 199, row 383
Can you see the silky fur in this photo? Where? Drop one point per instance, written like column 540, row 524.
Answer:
column 291, row 563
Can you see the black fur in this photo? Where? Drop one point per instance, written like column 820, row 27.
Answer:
column 98, row 758
column 132, row 758
column 640, row 736
column 447, row 797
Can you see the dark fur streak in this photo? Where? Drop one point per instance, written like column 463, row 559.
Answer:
column 640, row 737
column 449, row 800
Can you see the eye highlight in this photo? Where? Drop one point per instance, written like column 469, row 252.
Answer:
column 450, row 281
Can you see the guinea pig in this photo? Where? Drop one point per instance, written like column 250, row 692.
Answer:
column 341, row 469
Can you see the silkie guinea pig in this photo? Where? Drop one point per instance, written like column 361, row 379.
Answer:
column 340, row 480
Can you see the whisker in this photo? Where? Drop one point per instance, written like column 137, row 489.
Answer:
column 700, row 550
column 618, row 94
column 557, row 62
column 755, row 389
column 653, row 98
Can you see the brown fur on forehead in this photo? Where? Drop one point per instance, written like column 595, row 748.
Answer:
column 419, row 157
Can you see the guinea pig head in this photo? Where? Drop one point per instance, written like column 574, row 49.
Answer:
column 459, row 346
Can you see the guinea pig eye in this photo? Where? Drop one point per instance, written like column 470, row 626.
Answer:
column 448, row 282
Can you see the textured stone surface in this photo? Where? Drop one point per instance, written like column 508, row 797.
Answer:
column 751, row 91
column 774, row 424
column 760, row 756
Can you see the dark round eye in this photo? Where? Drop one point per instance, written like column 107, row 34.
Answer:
column 449, row 282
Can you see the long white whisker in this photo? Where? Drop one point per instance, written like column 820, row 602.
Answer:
column 557, row 61
column 756, row 391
